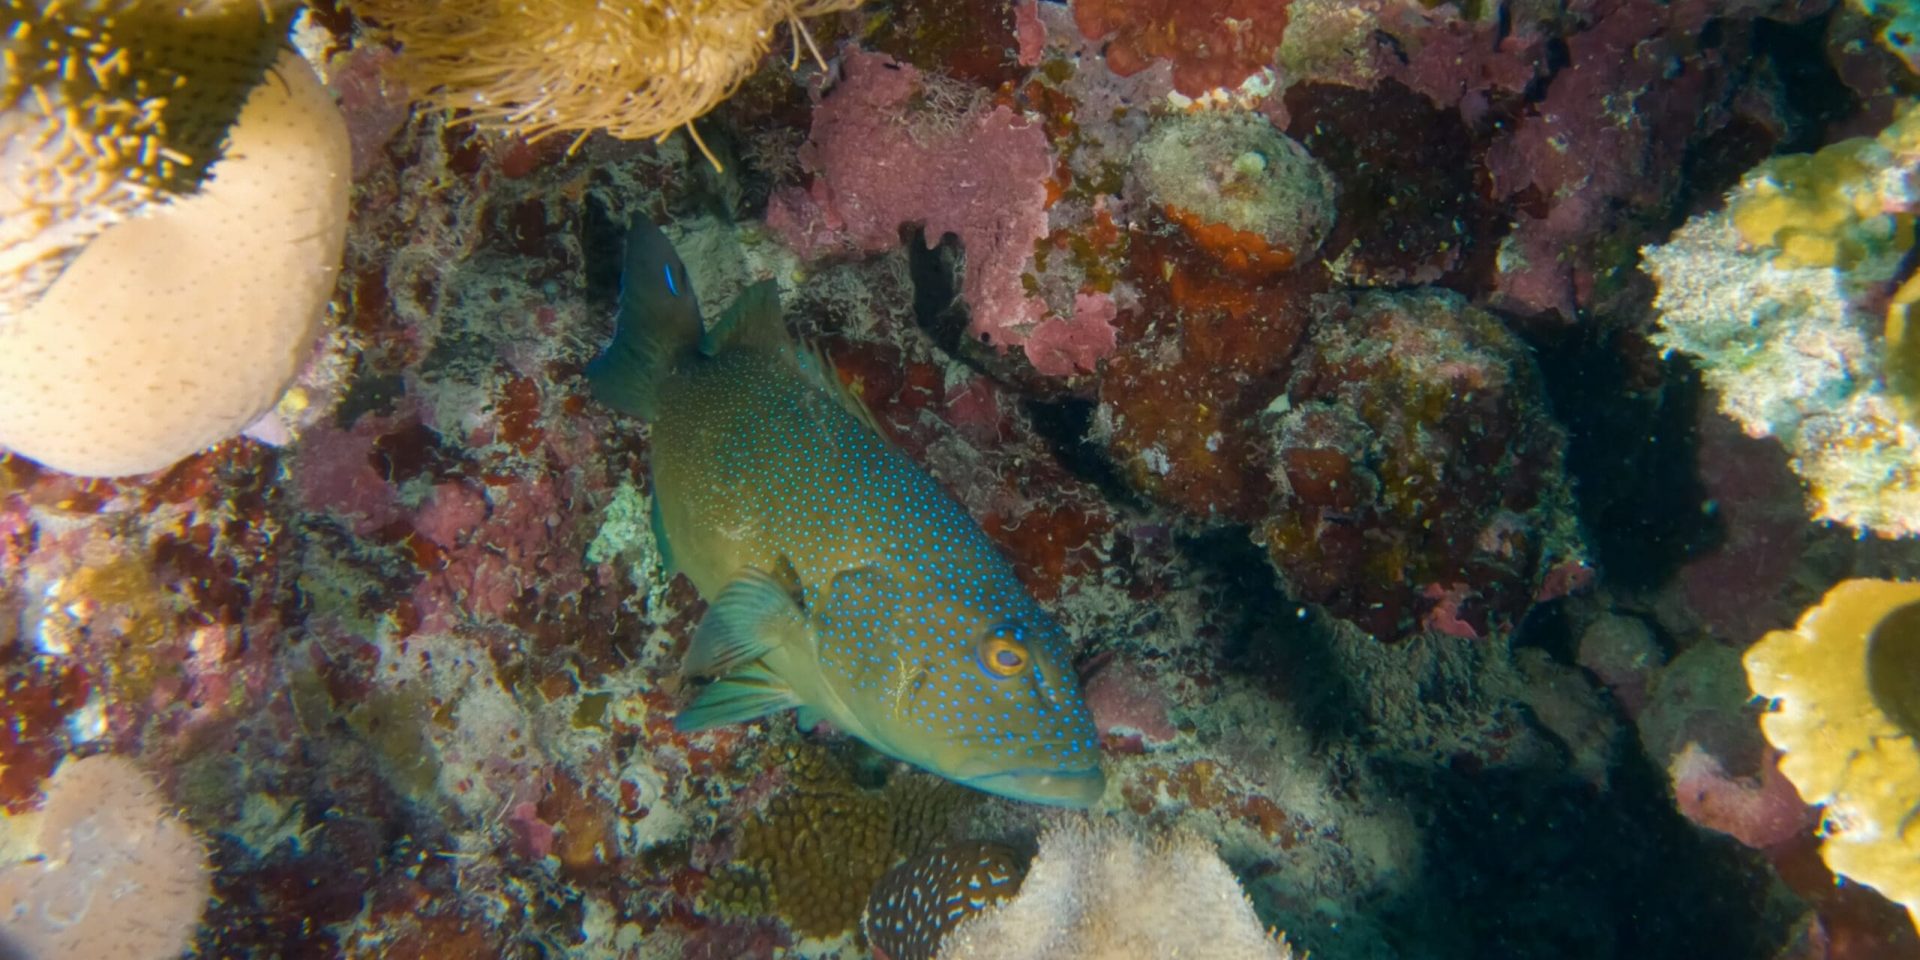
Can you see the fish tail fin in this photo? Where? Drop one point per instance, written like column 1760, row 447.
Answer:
column 659, row 323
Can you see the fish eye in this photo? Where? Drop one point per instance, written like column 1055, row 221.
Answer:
column 1002, row 654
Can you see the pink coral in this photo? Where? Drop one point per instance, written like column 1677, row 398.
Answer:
column 884, row 153
column 1061, row 345
column 1760, row 811
column 1129, row 709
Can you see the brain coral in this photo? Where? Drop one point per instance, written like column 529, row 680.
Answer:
column 174, row 331
column 100, row 114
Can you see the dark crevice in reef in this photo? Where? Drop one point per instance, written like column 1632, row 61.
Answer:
column 1816, row 97
column 603, row 243
column 935, row 273
column 1064, row 424
column 1631, row 448
column 1788, row 61
column 1535, row 863
column 1271, row 636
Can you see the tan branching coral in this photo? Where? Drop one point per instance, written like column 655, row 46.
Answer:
column 636, row 69
column 1846, row 689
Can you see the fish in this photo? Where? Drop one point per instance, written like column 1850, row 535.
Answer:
column 915, row 906
column 841, row 580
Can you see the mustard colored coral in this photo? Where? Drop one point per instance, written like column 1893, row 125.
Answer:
column 1845, row 684
column 1832, row 208
column 636, row 69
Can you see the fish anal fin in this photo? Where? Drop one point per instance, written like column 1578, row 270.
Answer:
column 753, row 615
column 747, row 694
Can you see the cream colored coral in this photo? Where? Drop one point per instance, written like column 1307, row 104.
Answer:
column 1846, row 692
column 1096, row 891
column 174, row 331
column 106, row 105
column 115, row 875
column 634, row 68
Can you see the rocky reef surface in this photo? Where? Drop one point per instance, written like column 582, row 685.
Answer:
column 1300, row 357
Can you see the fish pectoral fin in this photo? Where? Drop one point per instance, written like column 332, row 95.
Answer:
column 753, row 615
column 748, row 694
column 806, row 718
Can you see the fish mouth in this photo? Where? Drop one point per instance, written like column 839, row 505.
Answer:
column 1050, row 786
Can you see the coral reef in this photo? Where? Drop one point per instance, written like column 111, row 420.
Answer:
column 1845, row 716
column 1412, row 581
column 1411, row 467
column 176, row 330
column 1098, row 892
column 818, row 849
column 1241, row 189
column 112, row 874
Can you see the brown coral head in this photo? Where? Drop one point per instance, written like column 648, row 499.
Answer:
column 1893, row 667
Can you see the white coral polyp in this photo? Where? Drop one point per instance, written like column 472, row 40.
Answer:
column 174, row 331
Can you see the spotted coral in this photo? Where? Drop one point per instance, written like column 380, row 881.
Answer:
column 637, row 69
column 920, row 901
column 1846, row 715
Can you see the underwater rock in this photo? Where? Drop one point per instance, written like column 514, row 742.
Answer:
column 1242, row 190
column 1418, row 481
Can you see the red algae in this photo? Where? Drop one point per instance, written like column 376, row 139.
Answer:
column 1211, row 43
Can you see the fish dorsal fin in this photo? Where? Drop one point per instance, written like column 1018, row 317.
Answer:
column 751, row 322
column 753, row 615
column 746, row 694
column 819, row 370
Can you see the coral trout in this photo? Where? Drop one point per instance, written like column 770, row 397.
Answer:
column 842, row 581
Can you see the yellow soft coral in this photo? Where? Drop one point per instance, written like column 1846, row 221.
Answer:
column 636, row 69
column 1846, row 687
